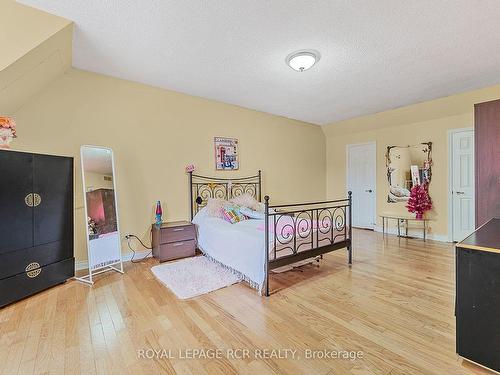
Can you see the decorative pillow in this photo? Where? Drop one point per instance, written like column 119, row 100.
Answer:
column 248, row 212
column 215, row 207
column 246, row 200
column 232, row 214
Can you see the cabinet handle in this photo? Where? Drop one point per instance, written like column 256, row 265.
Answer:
column 178, row 244
column 459, row 192
column 178, row 229
column 37, row 199
column 29, row 200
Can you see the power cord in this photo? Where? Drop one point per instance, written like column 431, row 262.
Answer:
column 128, row 237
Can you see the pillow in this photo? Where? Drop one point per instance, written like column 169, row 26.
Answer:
column 248, row 212
column 232, row 214
column 246, row 200
column 200, row 215
column 214, row 207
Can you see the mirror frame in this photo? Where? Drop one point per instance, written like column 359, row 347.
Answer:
column 118, row 265
column 388, row 159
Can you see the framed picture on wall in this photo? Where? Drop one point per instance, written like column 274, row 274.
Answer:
column 226, row 153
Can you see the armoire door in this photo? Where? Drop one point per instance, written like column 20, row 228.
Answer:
column 487, row 139
column 16, row 215
column 53, row 207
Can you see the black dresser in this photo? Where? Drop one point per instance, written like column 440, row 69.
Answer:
column 478, row 296
column 36, row 223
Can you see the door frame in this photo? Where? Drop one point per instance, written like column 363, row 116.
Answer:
column 451, row 132
column 347, row 149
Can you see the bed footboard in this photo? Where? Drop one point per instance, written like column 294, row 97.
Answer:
column 294, row 232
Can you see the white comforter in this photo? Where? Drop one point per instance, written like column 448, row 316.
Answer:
column 240, row 246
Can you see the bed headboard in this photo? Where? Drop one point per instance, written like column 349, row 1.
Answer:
column 201, row 188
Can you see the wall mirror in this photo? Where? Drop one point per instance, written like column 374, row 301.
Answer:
column 101, row 211
column 407, row 166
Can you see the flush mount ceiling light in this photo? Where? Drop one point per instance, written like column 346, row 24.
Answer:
column 302, row 60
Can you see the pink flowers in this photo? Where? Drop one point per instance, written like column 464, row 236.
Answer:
column 190, row 168
column 8, row 123
column 7, row 131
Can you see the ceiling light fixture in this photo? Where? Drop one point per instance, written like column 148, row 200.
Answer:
column 302, row 60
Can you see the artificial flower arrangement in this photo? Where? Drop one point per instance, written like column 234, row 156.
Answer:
column 7, row 131
column 419, row 200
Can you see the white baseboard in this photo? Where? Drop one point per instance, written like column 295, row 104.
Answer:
column 412, row 232
column 84, row 264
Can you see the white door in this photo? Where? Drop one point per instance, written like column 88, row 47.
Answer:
column 361, row 180
column 462, row 184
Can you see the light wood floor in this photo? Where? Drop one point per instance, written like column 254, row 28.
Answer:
column 396, row 305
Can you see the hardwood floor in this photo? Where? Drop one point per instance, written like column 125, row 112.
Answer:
column 395, row 305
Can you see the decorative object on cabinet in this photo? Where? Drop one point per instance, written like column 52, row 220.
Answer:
column 487, row 160
column 7, row 131
column 226, row 153
column 36, row 223
column 101, row 211
column 407, row 166
column 159, row 213
column 173, row 240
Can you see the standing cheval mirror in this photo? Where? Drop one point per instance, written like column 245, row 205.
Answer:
column 101, row 212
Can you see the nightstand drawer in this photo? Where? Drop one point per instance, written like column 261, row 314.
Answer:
column 174, row 250
column 176, row 234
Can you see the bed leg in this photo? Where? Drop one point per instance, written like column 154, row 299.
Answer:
column 349, row 249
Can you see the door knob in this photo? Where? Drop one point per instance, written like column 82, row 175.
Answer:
column 369, row 191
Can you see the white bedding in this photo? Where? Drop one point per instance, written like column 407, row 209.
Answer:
column 239, row 246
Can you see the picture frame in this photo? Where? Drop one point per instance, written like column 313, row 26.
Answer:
column 226, row 153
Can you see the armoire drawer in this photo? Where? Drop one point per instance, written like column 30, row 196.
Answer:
column 15, row 262
column 25, row 284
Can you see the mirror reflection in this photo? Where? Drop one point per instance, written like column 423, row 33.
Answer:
column 100, row 204
column 407, row 166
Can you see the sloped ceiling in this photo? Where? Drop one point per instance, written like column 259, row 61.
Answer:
column 376, row 55
column 36, row 48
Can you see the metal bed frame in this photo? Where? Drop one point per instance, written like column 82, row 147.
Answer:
column 305, row 222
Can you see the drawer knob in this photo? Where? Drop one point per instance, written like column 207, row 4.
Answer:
column 178, row 229
column 178, row 244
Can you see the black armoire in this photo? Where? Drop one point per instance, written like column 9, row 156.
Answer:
column 36, row 223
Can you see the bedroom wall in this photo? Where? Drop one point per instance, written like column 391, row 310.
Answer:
column 155, row 133
column 96, row 181
column 36, row 48
column 423, row 122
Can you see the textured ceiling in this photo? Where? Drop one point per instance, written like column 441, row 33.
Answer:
column 375, row 55
column 97, row 160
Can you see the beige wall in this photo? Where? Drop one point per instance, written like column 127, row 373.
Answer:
column 24, row 29
column 423, row 122
column 154, row 133
column 36, row 48
column 96, row 181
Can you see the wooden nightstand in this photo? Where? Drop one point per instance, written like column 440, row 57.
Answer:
column 174, row 240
